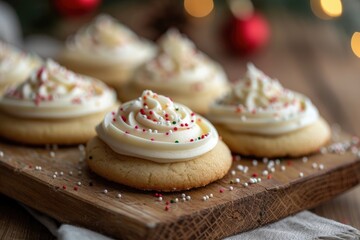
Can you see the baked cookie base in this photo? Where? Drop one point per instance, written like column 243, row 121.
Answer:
column 298, row 143
column 114, row 75
column 147, row 175
column 58, row 131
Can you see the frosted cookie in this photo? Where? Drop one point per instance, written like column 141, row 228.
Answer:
column 15, row 66
column 259, row 117
column 181, row 72
column 106, row 50
column 153, row 143
column 54, row 106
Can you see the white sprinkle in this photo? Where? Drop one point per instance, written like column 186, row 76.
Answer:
column 81, row 147
column 304, row 159
column 183, row 199
column 237, row 180
column 265, row 160
column 231, row 188
column 321, row 166
column 233, row 172
column 243, row 118
column 118, row 195
column 265, row 173
column 245, row 169
column 54, row 176
column 254, row 163
column 252, row 180
column 52, row 154
column 56, row 173
column 160, row 199
column 61, row 173
column 301, row 174
column 70, row 173
column 211, row 195
column 1, row 154
column 40, row 168
column 170, row 131
column 183, row 195
column 314, row 165
column 240, row 167
column 204, row 198
column 150, row 130
column 79, row 183
column 246, row 184
column 272, row 169
column 283, row 168
column 259, row 179
column 176, row 200
column 188, row 198
column 146, row 107
column 277, row 161
column 155, row 131
column 105, row 191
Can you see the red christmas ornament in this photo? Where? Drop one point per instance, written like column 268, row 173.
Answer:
column 250, row 34
column 74, row 8
column 246, row 31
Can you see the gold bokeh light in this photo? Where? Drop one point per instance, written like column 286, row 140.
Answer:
column 355, row 43
column 327, row 9
column 198, row 8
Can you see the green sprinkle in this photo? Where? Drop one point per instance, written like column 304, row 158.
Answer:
column 176, row 109
column 176, row 141
column 172, row 201
column 173, row 122
column 199, row 138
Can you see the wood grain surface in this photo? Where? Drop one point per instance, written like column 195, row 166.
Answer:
column 66, row 190
column 312, row 57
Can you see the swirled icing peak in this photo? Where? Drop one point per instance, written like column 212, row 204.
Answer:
column 180, row 68
column 55, row 92
column 155, row 128
column 15, row 65
column 107, row 38
column 259, row 104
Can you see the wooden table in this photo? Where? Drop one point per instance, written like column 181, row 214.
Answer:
column 312, row 57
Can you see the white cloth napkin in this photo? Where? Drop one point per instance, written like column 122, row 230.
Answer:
column 302, row 226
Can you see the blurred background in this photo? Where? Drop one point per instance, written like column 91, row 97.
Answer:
column 311, row 46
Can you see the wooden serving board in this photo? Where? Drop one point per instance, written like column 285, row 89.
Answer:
column 75, row 195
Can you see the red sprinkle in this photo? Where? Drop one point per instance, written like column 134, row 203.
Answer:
column 136, row 127
column 186, row 124
column 191, row 140
column 289, row 163
column 255, row 175
column 167, row 203
column 151, row 112
column 75, row 188
column 221, row 190
column 166, row 208
column 152, row 139
column 269, row 176
column 64, row 187
column 156, row 194
column 175, row 128
column 123, row 118
column 114, row 120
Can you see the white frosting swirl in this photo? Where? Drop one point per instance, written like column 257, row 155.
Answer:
column 15, row 65
column 260, row 105
column 180, row 67
column 106, row 41
column 53, row 92
column 157, row 129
